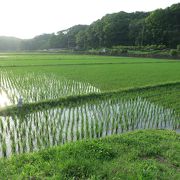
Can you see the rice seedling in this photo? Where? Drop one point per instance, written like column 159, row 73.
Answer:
column 38, row 87
column 92, row 119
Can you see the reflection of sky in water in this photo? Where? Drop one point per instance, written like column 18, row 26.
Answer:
column 40, row 87
column 4, row 100
column 51, row 127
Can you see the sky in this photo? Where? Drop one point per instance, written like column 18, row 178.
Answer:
column 28, row 18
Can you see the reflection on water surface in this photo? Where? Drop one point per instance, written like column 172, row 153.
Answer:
column 4, row 100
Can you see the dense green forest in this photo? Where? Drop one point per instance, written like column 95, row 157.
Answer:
column 159, row 27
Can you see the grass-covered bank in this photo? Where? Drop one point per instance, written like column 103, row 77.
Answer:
column 154, row 93
column 150, row 154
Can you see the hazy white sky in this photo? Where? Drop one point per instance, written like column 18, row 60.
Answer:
column 28, row 18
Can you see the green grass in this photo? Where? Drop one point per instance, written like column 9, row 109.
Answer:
column 105, row 76
column 150, row 154
column 53, row 59
column 113, row 77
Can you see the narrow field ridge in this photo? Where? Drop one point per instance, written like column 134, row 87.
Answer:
column 144, row 154
column 87, row 64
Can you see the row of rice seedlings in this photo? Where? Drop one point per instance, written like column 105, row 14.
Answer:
column 36, row 87
column 59, row 125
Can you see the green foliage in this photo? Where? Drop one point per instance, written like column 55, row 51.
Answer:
column 141, row 48
column 138, row 28
column 162, row 26
column 173, row 52
column 73, row 169
column 158, row 27
column 120, row 51
column 77, row 160
column 40, row 42
column 148, row 170
column 9, row 43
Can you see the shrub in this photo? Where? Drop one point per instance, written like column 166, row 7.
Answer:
column 161, row 47
column 173, row 52
column 118, row 51
column 124, row 51
column 113, row 52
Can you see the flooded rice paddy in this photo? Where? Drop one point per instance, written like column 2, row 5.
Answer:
column 38, row 87
column 38, row 130
column 4, row 99
column 23, row 132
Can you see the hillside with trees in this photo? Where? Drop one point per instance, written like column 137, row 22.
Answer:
column 10, row 43
column 160, row 27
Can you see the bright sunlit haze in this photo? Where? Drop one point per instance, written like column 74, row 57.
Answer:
column 28, row 18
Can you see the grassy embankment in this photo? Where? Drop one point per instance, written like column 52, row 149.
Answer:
column 150, row 154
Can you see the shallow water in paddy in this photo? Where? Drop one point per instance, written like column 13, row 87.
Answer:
column 55, row 126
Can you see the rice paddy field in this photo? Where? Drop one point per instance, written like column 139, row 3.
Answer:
column 71, row 97
column 50, row 99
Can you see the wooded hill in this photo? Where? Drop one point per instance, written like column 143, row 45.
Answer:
column 159, row 27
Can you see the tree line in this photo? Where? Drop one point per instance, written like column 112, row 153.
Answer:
column 159, row 27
